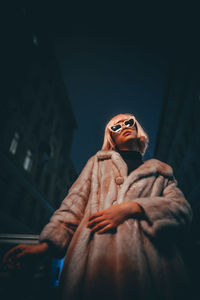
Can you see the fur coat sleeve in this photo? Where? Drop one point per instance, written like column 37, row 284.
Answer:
column 59, row 231
column 168, row 214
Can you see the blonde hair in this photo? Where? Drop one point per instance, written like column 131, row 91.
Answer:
column 108, row 143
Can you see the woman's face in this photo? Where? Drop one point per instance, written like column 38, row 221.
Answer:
column 126, row 136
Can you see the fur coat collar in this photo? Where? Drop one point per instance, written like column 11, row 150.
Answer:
column 151, row 166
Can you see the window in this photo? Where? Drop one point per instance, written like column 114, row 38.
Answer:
column 35, row 40
column 14, row 143
column 28, row 161
column 52, row 146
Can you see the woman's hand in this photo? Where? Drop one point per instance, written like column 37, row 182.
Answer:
column 111, row 217
column 15, row 256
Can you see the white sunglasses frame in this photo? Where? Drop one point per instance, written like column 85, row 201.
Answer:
column 134, row 123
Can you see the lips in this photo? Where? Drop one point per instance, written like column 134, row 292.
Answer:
column 126, row 132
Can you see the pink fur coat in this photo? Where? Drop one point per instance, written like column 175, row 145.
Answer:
column 140, row 260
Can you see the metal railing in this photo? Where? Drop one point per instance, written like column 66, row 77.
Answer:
column 37, row 280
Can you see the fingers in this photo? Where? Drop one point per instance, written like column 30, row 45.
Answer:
column 106, row 228
column 101, row 222
column 17, row 257
column 13, row 266
column 96, row 215
column 11, row 253
column 20, row 255
column 95, row 221
column 99, row 226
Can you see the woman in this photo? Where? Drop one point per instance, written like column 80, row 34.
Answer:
column 120, row 223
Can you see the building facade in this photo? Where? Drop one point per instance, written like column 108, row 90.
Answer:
column 178, row 144
column 178, row 141
column 37, row 125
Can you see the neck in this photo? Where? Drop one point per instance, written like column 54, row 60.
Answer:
column 131, row 145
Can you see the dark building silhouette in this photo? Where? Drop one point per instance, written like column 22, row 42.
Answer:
column 178, row 144
column 178, row 141
column 36, row 130
column 36, row 127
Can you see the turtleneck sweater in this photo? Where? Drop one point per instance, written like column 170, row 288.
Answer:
column 133, row 159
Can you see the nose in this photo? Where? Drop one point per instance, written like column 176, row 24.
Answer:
column 123, row 126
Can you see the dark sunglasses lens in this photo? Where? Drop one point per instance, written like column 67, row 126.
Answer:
column 129, row 123
column 116, row 128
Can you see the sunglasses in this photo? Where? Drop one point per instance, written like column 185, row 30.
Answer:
column 118, row 127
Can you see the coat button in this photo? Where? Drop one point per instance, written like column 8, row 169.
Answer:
column 119, row 180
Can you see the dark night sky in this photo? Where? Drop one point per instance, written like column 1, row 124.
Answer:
column 115, row 57
column 106, row 76
column 109, row 68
